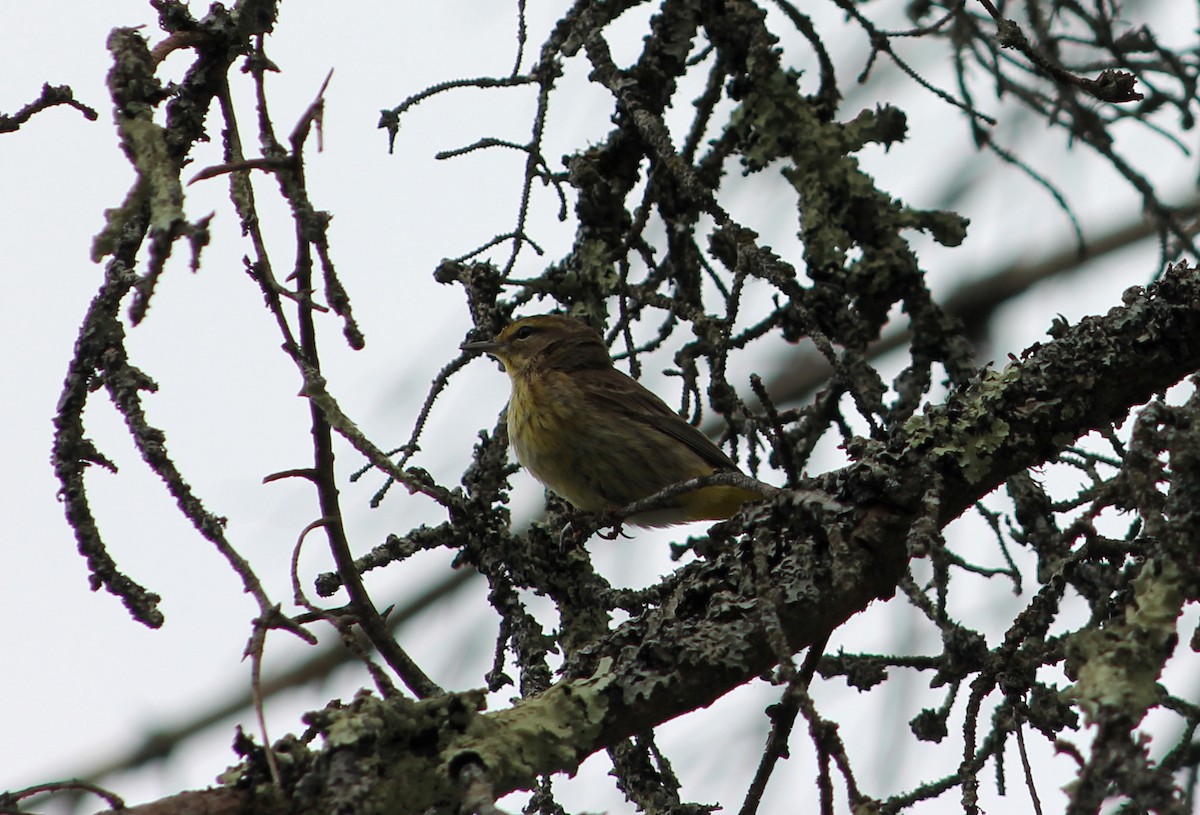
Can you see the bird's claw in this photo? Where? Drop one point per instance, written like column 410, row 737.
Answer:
column 616, row 530
column 582, row 525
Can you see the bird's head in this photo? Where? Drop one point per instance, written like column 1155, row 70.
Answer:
column 543, row 343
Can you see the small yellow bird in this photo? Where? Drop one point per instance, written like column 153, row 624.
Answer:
column 595, row 436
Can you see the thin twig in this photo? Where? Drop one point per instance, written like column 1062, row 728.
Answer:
column 1033, row 793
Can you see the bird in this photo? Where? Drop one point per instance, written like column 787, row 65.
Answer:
column 597, row 437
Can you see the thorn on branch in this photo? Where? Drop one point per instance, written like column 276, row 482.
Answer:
column 313, row 115
column 270, row 164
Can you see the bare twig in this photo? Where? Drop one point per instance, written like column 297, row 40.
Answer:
column 51, row 95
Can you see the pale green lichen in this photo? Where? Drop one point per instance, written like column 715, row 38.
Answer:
column 555, row 729
column 971, row 434
column 1116, row 668
column 594, row 266
column 349, row 726
column 157, row 188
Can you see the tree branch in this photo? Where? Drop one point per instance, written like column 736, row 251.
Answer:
column 837, row 543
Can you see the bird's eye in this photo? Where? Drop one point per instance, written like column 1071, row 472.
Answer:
column 524, row 332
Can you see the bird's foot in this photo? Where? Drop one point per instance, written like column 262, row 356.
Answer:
column 614, row 528
column 582, row 525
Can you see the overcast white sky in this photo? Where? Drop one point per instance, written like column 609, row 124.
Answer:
column 83, row 682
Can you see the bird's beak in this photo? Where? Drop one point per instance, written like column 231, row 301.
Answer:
column 482, row 346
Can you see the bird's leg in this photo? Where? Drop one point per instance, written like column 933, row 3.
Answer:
column 582, row 525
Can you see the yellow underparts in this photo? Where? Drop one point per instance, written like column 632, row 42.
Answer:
column 600, row 460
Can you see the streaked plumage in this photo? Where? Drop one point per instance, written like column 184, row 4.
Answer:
column 594, row 435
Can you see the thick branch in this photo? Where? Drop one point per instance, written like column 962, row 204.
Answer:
column 1090, row 377
column 834, row 545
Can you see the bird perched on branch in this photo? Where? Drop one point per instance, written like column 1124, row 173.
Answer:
column 597, row 437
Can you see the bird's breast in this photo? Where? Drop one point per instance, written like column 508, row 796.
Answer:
column 548, row 428
column 599, row 454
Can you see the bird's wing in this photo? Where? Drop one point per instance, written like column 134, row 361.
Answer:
column 617, row 392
